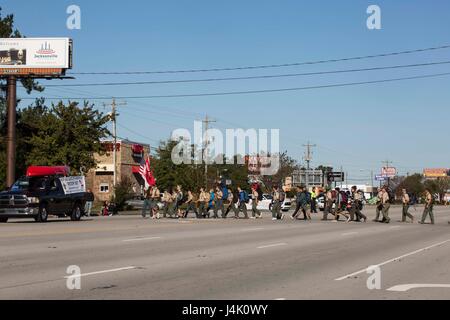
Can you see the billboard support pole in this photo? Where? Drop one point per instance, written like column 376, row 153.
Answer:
column 11, row 147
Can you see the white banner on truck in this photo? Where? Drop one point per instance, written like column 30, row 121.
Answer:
column 73, row 184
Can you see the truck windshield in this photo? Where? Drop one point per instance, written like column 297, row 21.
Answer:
column 29, row 184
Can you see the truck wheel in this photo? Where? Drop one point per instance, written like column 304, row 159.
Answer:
column 76, row 213
column 3, row 220
column 42, row 214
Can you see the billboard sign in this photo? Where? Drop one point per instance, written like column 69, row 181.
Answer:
column 389, row 172
column 30, row 56
column 436, row 173
column 335, row 176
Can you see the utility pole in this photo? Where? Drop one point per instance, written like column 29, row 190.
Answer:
column 206, row 123
column 114, row 129
column 11, row 147
column 308, row 159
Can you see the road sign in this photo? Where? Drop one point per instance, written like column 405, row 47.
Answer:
column 389, row 172
column 380, row 177
column 335, row 176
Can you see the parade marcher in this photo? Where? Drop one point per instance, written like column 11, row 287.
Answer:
column 276, row 204
column 191, row 204
column 243, row 199
column 379, row 206
column 233, row 199
column 341, row 205
column 428, row 210
column 229, row 200
column 356, row 205
column 147, row 202
column 300, row 199
column 328, row 204
column 167, row 202
column 406, row 202
column 210, row 202
column 203, row 199
column 313, row 200
column 256, row 214
column 386, row 206
column 179, row 202
column 155, row 198
column 218, row 202
column 173, row 205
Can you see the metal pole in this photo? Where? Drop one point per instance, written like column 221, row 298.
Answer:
column 11, row 147
column 115, row 143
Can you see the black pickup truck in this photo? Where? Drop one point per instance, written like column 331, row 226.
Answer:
column 39, row 197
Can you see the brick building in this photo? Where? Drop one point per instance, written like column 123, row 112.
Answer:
column 129, row 155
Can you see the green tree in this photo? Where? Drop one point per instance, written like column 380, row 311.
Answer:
column 413, row 184
column 64, row 135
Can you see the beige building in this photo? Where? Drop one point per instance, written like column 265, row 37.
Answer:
column 129, row 155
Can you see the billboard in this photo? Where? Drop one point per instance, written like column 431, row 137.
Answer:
column 436, row 173
column 30, row 56
column 388, row 172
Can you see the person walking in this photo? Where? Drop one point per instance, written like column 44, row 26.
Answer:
column 179, row 202
column 88, row 205
column 356, row 205
column 167, row 201
column 256, row 214
column 147, row 202
column 243, row 199
column 210, row 202
column 155, row 198
column 203, row 199
column 406, row 203
column 190, row 202
column 276, row 204
column 313, row 200
column 298, row 202
column 328, row 204
column 428, row 210
column 233, row 199
column 218, row 202
column 386, row 206
column 341, row 205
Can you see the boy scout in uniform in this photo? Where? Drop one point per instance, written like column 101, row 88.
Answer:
column 167, row 199
column 386, row 206
column 405, row 202
column 276, row 204
column 256, row 214
column 355, row 210
column 190, row 205
column 218, row 202
column 155, row 197
column 232, row 200
column 428, row 207
column 203, row 202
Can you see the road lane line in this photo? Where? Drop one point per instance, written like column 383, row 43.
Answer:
column 272, row 245
column 349, row 233
column 407, row 287
column 141, row 239
column 99, row 272
column 394, row 259
column 252, row 229
column 280, row 299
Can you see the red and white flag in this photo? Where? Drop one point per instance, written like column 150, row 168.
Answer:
column 147, row 173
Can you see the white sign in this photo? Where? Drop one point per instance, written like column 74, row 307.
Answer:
column 72, row 185
column 16, row 53
column 389, row 172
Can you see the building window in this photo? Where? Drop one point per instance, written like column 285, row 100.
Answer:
column 104, row 188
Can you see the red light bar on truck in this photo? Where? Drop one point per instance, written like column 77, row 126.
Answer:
column 38, row 171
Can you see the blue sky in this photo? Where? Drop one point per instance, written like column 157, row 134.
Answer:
column 355, row 127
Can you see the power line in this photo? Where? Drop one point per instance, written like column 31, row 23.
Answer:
column 335, row 85
column 267, row 66
column 250, row 77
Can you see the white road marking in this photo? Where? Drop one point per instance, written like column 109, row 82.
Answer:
column 407, row 287
column 272, row 245
column 141, row 239
column 394, row 259
column 253, row 229
column 100, row 272
column 349, row 233
column 280, row 299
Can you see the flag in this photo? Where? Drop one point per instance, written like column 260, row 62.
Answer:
column 147, row 174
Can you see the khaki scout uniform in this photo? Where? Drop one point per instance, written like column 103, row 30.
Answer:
column 276, row 205
column 255, row 212
column 428, row 209
column 405, row 213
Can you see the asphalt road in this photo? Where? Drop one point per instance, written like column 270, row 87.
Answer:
column 127, row 257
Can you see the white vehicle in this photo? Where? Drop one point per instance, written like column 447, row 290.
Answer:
column 266, row 204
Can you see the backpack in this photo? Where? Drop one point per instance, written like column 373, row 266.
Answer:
column 344, row 197
column 308, row 197
column 224, row 194
column 282, row 196
column 246, row 198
